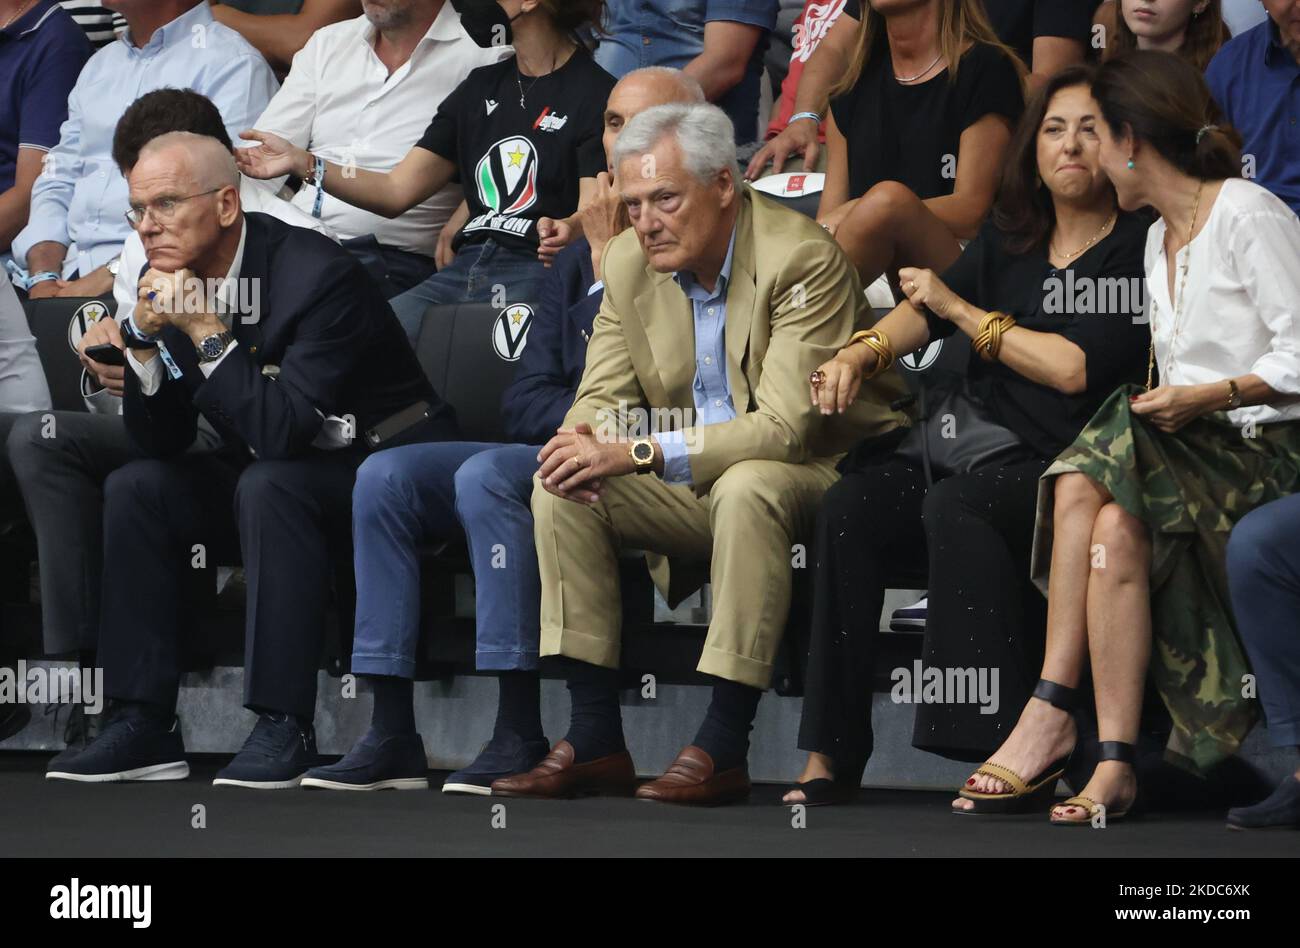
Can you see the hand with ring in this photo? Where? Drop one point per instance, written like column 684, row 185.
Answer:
column 925, row 290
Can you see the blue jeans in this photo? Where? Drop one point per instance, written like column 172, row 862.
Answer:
column 473, row 278
column 1264, row 577
column 405, row 497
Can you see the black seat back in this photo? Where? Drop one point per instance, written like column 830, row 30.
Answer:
column 58, row 325
column 469, row 351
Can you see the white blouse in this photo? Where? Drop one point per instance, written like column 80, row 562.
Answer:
column 1240, row 303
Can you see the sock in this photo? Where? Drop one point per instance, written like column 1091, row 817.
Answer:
column 595, row 722
column 519, row 706
column 394, row 712
column 724, row 735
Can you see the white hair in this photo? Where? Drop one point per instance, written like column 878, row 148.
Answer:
column 688, row 84
column 211, row 163
column 702, row 131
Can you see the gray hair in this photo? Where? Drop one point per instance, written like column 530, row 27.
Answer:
column 702, row 131
column 688, row 84
column 210, row 162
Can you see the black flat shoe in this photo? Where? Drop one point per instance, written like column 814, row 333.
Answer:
column 823, row 792
column 1279, row 810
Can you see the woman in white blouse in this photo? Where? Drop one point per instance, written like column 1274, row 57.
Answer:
column 1135, row 515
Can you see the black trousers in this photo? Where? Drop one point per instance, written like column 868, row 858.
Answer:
column 60, row 461
column 290, row 520
column 973, row 532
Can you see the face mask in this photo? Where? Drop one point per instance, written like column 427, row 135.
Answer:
column 486, row 23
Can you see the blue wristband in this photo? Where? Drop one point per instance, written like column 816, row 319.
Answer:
column 803, row 115
column 43, row 277
column 318, row 172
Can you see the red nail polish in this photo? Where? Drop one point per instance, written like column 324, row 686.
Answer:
column 970, row 781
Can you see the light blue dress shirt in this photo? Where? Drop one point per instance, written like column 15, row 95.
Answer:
column 710, row 390
column 80, row 199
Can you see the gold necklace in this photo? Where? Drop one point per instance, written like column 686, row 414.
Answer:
column 21, row 10
column 1096, row 237
column 1178, row 300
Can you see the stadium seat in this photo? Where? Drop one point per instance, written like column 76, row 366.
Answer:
column 58, row 325
column 798, row 190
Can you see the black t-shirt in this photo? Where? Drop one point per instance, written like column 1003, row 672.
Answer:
column 912, row 133
column 1073, row 302
column 515, row 164
column 1019, row 22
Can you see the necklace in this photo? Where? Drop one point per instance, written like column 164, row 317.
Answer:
column 921, row 73
column 1096, row 237
column 519, row 82
column 1178, row 300
column 21, row 10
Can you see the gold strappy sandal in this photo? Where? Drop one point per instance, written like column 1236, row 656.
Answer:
column 1110, row 750
column 1025, row 795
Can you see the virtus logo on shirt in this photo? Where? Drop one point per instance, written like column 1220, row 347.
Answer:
column 506, row 175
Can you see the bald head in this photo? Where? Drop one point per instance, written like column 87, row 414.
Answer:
column 207, row 162
column 642, row 89
column 190, row 186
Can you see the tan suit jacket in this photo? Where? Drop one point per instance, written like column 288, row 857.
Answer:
column 793, row 300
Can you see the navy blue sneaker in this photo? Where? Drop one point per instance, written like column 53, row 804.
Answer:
column 275, row 756
column 910, row 618
column 396, row 762
column 503, row 756
column 129, row 747
column 1280, row 810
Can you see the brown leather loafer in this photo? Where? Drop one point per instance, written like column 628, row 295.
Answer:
column 558, row 777
column 691, row 780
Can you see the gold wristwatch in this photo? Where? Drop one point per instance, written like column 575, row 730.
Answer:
column 1234, row 395
column 643, row 455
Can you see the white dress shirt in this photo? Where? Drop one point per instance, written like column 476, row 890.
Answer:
column 339, row 102
column 1241, row 301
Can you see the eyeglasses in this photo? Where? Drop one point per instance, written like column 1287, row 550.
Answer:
column 163, row 210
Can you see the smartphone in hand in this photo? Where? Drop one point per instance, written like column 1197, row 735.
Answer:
column 106, row 354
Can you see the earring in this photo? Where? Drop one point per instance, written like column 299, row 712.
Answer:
column 1130, row 164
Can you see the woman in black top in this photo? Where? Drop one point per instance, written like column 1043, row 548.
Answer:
column 1056, row 232
column 523, row 138
column 917, row 132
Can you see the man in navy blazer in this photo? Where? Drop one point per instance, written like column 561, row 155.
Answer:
column 263, row 365
column 409, row 496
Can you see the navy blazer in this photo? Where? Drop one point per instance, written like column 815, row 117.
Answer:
column 324, row 324
column 551, row 365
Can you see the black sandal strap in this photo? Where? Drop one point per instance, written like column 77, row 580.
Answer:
column 1122, row 751
column 1057, row 695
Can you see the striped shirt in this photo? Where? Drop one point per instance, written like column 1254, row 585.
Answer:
column 100, row 25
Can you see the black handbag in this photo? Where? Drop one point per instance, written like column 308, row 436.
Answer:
column 955, row 432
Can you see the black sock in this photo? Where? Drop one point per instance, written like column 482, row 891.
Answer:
column 595, row 722
column 394, row 712
column 724, row 735
column 519, row 705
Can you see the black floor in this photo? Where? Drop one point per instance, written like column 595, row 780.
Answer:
column 55, row 818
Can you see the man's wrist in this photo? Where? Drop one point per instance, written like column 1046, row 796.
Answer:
column 201, row 327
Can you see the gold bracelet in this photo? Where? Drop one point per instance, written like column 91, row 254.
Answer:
column 877, row 342
column 988, row 339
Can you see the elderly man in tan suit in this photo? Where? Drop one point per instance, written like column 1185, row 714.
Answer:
column 718, row 305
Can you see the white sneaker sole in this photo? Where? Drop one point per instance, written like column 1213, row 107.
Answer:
column 397, row 783
column 176, row 770
column 257, row 784
column 470, row 788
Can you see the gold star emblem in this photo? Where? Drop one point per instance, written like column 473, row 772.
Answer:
column 516, row 316
column 516, row 157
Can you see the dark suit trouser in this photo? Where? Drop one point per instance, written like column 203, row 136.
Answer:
column 60, row 460
column 291, row 521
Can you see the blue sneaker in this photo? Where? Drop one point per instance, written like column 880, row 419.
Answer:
column 910, row 618
column 275, row 756
column 1280, row 810
column 130, row 747
column 396, row 762
column 503, row 756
